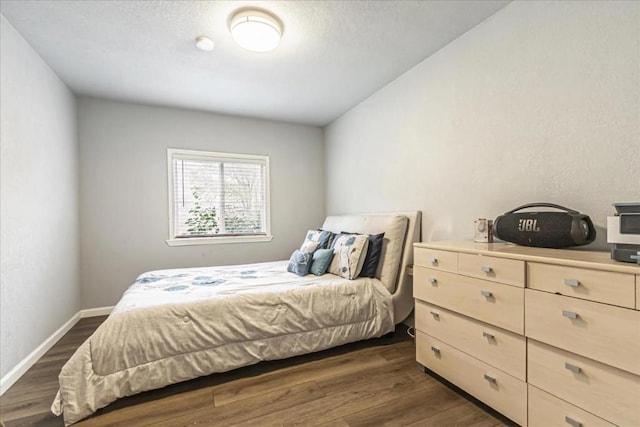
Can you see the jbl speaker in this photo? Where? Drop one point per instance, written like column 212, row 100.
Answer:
column 546, row 229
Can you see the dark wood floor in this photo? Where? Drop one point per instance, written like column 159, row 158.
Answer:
column 371, row 383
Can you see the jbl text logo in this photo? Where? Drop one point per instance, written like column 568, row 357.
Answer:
column 528, row 225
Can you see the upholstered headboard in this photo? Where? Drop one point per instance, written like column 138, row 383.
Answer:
column 401, row 230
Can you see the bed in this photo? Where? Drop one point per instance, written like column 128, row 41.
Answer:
column 175, row 325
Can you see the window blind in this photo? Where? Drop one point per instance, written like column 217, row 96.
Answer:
column 216, row 195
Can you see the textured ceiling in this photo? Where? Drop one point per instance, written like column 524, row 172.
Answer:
column 333, row 54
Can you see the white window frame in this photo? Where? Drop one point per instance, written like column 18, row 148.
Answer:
column 217, row 156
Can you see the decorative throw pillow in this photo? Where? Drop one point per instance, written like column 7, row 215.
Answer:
column 332, row 244
column 349, row 250
column 331, row 238
column 300, row 262
column 322, row 237
column 320, row 261
column 309, row 246
column 374, row 252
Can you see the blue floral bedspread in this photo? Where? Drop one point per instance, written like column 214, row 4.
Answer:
column 196, row 284
column 175, row 325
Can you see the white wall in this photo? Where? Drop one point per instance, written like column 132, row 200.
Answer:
column 39, row 240
column 123, row 190
column 538, row 103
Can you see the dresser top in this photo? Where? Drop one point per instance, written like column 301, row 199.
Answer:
column 598, row 260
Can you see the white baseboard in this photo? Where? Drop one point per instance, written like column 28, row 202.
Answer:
column 19, row 370
column 93, row 312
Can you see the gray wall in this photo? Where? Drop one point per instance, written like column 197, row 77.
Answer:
column 538, row 103
column 123, row 191
column 39, row 289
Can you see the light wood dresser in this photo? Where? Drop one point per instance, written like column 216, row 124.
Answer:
column 547, row 337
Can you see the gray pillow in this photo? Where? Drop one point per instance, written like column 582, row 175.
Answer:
column 320, row 261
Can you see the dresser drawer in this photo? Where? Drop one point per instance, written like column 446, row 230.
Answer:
column 602, row 332
column 594, row 285
column 637, row 292
column 497, row 347
column 607, row 392
column 490, row 302
column 546, row 410
column 508, row 271
column 497, row 389
column 439, row 260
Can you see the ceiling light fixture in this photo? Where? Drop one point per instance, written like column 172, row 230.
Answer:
column 255, row 30
column 204, row 43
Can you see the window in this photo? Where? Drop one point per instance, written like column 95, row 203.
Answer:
column 217, row 197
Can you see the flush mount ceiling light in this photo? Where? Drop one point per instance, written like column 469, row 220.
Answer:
column 255, row 30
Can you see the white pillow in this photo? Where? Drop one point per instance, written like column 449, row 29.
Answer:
column 349, row 252
column 309, row 246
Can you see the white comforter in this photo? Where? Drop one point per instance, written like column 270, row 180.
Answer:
column 175, row 325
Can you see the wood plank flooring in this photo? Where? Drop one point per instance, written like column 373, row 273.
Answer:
column 370, row 383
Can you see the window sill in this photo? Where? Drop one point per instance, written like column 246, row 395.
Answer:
column 217, row 240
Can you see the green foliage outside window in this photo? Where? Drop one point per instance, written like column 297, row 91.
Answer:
column 202, row 220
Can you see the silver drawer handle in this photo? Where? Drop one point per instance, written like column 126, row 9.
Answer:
column 488, row 336
column 570, row 314
column 435, row 314
column 436, row 350
column 433, row 260
column 486, row 294
column 574, row 283
column 572, row 422
column 486, row 269
column 433, row 281
column 489, row 378
column 573, row 368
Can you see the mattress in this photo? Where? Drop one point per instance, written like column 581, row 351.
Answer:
column 175, row 325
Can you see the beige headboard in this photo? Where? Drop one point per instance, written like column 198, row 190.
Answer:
column 403, row 229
